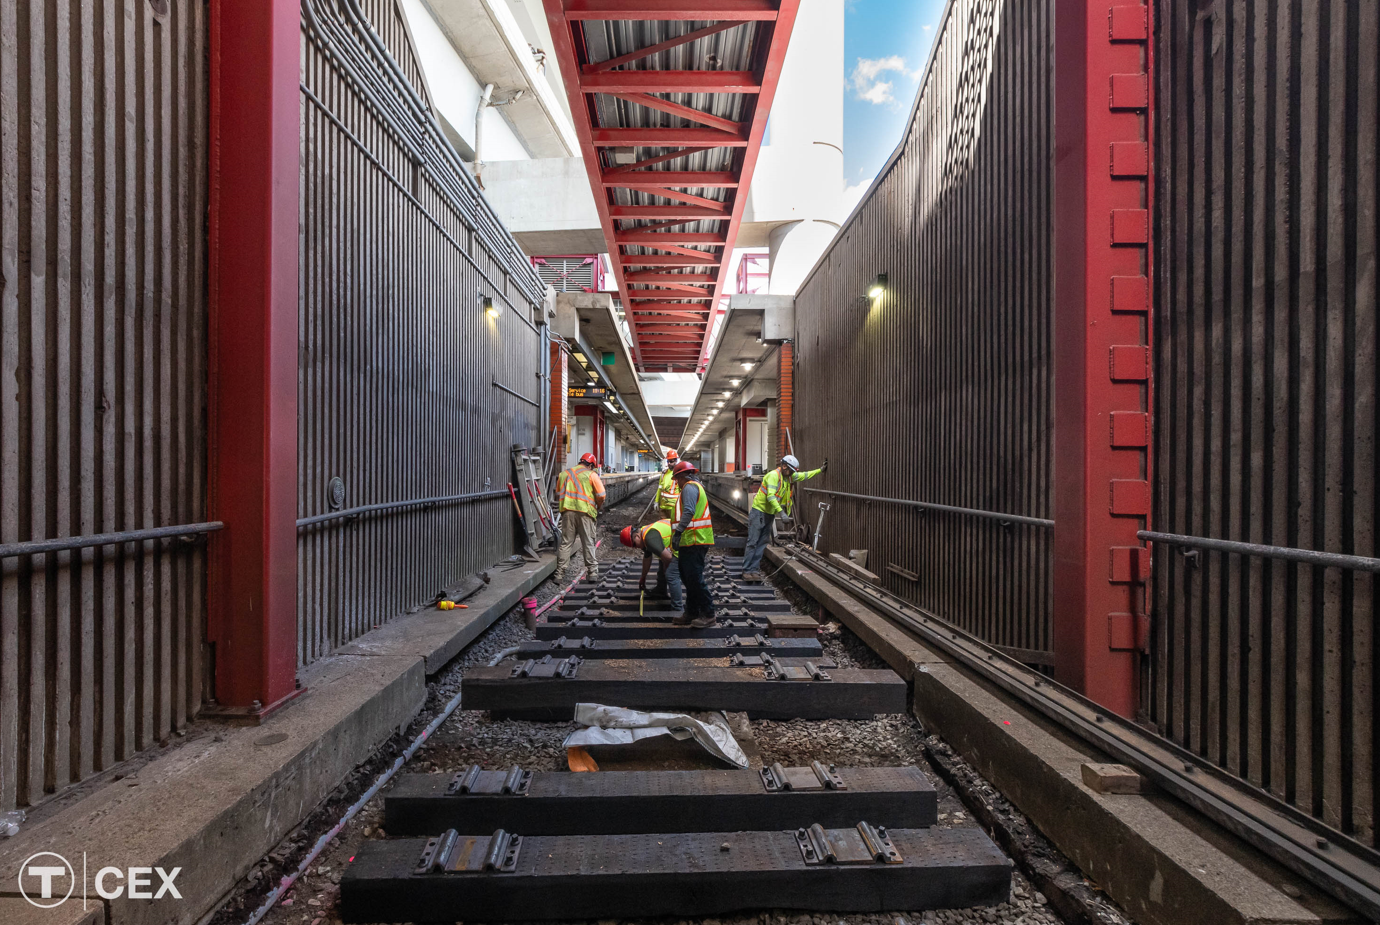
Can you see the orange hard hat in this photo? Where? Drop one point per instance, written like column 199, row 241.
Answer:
column 589, row 460
column 672, row 456
column 626, row 536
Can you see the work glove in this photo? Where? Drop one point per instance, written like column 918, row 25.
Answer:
column 675, row 539
column 642, row 584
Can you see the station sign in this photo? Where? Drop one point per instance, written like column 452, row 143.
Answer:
column 592, row 394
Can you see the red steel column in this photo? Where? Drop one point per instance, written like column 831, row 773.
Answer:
column 253, row 351
column 1101, row 338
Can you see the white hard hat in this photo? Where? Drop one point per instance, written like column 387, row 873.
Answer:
column 790, row 461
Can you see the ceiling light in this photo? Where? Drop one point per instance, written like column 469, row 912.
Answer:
column 734, row 382
column 747, row 366
column 728, row 394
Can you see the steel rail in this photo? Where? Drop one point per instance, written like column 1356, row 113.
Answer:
column 946, row 508
column 62, row 544
column 1340, row 865
column 400, row 505
column 1287, row 553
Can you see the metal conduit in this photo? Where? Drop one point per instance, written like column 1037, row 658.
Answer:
column 399, row 505
column 927, row 506
column 1287, row 553
column 61, row 544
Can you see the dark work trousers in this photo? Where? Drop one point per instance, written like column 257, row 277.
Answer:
column 759, row 533
column 698, row 601
column 668, row 583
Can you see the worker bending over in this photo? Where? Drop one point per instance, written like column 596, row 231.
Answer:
column 692, row 533
column 775, row 496
column 666, row 490
column 582, row 496
column 655, row 542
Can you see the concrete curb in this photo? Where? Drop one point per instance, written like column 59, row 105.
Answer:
column 1163, row 864
column 216, row 805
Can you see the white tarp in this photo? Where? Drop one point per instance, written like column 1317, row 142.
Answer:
column 620, row 726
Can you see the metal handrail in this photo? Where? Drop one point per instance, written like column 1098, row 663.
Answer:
column 1287, row 553
column 399, row 505
column 947, row 508
column 60, row 544
column 503, row 388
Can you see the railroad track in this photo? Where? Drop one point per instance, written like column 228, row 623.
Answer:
column 512, row 843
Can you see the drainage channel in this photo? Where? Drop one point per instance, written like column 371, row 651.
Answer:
column 488, row 824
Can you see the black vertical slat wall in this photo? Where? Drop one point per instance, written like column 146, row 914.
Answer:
column 1265, row 393
column 398, row 364
column 940, row 391
column 103, row 123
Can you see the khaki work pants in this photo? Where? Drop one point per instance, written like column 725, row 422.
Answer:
column 577, row 527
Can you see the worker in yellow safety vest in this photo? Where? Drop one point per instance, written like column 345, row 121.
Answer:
column 692, row 535
column 666, row 491
column 775, row 496
column 655, row 542
column 580, row 493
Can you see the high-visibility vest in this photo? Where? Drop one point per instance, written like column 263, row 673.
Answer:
column 667, row 493
column 701, row 529
column 577, row 492
column 663, row 529
column 777, row 485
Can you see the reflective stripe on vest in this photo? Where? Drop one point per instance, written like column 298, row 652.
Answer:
column 667, row 492
column 783, row 489
column 577, row 494
column 663, row 529
column 701, row 529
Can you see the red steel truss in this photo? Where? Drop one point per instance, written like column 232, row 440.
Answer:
column 632, row 138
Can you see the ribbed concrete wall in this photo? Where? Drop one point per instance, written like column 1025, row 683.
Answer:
column 407, row 389
column 1265, row 394
column 103, row 128
column 940, row 390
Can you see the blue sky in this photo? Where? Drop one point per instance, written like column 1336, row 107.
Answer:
column 885, row 46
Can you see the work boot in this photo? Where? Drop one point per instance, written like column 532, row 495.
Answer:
column 752, row 576
column 703, row 623
column 681, row 619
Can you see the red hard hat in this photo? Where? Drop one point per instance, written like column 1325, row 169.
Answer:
column 589, row 460
column 684, row 466
column 671, row 456
column 625, row 537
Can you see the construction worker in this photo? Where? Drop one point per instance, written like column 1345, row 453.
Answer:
column 775, row 496
column 692, row 534
column 582, row 496
column 655, row 542
column 666, row 491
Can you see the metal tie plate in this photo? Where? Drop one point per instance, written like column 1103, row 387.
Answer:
column 815, row 777
column 757, row 640
column 475, row 780
column 565, row 642
column 547, row 667
column 862, row 844
column 450, row 853
column 808, row 672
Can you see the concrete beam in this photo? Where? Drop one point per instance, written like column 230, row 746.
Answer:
column 1162, row 863
column 217, row 804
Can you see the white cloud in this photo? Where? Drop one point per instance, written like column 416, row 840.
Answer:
column 852, row 195
column 867, row 81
